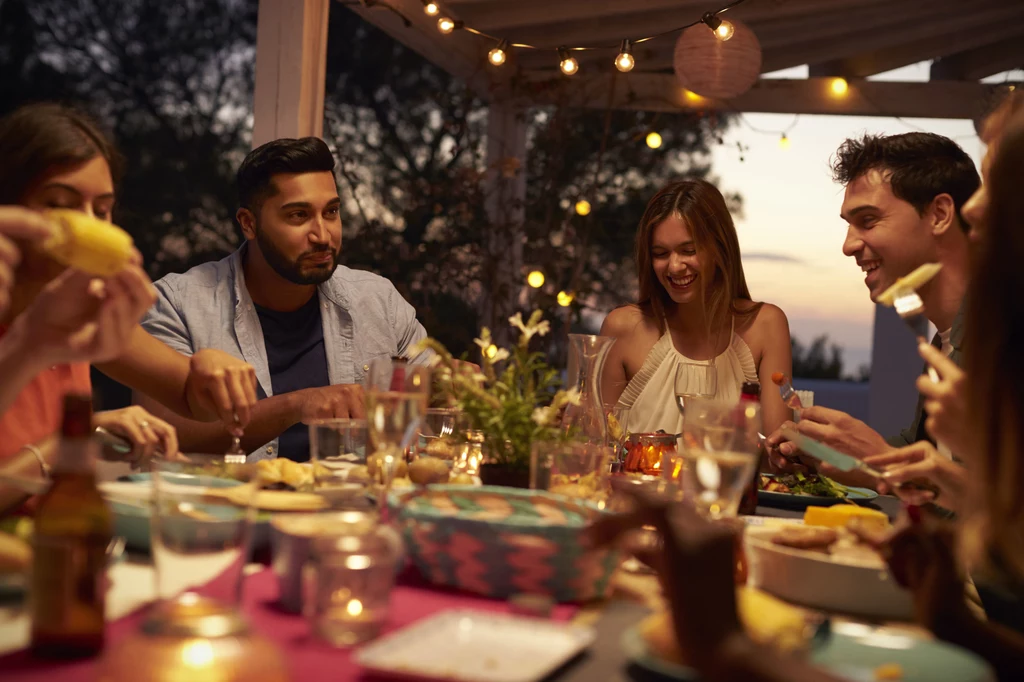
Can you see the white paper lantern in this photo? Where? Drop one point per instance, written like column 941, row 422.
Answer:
column 719, row 69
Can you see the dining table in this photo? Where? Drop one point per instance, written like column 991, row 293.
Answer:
column 133, row 587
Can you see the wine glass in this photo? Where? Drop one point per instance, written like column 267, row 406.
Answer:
column 716, row 455
column 396, row 403
column 694, row 380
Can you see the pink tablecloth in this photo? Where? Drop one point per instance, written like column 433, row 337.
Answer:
column 310, row 660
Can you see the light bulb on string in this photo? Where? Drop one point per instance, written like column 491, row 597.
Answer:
column 535, row 279
column 445, row 25
column 499, row 54
column 491, row 351
column 722, row 29
column 583, row 207
column 566, row 62
column 565, row 298
column 625, row 62
column 653, row 140
column 784, row 142
column 431, row 8
column 839, row 86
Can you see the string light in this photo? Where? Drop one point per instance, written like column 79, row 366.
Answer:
column 722, row 29
column 446, row 25
column 839, row 86
column 499, row 54
column 653, row 140
column 535, row 279
column 565, row 299
column 583, row 207
column 491, row 351
column 784, row 141
column 566, row 62
column 431, row 8
column 625, row 62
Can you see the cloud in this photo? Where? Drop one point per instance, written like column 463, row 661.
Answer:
column 774, row 257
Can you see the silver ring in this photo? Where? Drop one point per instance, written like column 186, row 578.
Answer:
column 144, row 424
column 235, row 415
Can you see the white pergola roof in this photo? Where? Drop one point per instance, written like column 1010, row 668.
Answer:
column 969, row 39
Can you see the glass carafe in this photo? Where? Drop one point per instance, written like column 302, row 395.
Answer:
column 586, row 363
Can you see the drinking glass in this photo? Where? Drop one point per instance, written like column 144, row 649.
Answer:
column 200, row 525
column 572, row 469
column 716, row 455
column 337, row 450
column 694, row 380
column 396, row 403
column 439, row 433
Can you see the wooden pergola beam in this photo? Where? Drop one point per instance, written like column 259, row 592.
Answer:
column 982, row 61
column 662, row 92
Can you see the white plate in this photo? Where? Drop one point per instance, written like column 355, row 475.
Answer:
column 823, row 582
column 464, row 645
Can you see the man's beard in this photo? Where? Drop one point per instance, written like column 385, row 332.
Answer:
column 292, row 270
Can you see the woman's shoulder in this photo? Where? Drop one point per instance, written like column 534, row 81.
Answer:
column 760, row 319
column 628, row 320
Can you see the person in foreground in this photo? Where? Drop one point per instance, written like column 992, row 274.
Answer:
column 928, row 556
column 59, row 320
column 904, row 206
column 694, row 306
column 282, row 301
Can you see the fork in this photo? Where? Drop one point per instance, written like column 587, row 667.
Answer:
column 910, row 308
column 235, row 453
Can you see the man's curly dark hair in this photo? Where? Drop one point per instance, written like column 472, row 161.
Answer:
column 920, row 166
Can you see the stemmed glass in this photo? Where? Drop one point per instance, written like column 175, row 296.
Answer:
column 716, row 455
column 396, row 403
column 694, row 380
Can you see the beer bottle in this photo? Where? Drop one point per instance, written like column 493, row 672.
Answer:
column 73, row 527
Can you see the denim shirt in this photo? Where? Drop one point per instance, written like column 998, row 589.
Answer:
column 363, row 316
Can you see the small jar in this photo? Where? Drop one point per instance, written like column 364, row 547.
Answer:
column 645, row 451
column 347, row 583
column 197, row 639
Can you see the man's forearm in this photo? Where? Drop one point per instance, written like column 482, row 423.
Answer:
column 151, row 367
column 270, row 417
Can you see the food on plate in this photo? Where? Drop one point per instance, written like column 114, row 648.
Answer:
column 286, row 474
column 441, row 448
column 427, row 470
column 806, row 537
column 580, row 486
column 373, row 465
column 87, row 244
column 889, row 671
column 766, row 620
column 814, row 485
column 843, row 515
column 912, row 282
column 463, row 479
column 15, row 554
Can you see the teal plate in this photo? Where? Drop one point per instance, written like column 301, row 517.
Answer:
column 854, row 658
column 791, row 501
column 132, row 522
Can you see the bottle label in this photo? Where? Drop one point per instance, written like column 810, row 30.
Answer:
column 68, row 582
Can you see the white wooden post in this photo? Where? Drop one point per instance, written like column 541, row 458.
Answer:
column 895, row 366
column 291, row 52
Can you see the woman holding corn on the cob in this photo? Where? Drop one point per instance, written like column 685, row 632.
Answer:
column 61, row 318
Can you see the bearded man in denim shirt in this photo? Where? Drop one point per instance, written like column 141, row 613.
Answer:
column 309, row 326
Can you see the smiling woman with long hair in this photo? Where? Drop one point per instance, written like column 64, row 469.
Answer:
column 693, row 306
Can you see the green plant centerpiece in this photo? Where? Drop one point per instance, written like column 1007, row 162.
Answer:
column 513, row 401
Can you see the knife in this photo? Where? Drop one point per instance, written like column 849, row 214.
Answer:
column 829, row 455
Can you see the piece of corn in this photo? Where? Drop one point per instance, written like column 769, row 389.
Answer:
column 840, row 515
column 912, row 282
column 87, row 244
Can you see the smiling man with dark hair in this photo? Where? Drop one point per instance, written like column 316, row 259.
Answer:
column 309, row 326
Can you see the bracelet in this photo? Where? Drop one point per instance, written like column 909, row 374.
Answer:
column 43, row 466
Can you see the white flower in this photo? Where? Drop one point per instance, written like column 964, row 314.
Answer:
column 517, row 322
column 544, row 416
column 572, row 396
column 534, row 327
column 499, row 355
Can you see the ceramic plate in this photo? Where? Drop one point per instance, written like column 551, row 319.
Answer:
column 854, row 652
column 472, row 645
column 791, row 501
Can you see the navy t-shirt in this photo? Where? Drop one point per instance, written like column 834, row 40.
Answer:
column 295, row 352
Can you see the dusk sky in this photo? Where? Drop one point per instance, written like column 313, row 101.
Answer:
column 791, row 234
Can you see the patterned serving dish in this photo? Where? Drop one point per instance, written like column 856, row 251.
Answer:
column 499, row 541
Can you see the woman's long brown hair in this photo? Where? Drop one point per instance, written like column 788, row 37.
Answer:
column 994, row 359
column 702, row 207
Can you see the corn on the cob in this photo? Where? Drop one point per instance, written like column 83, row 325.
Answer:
column 87, row 244
column 911, row 282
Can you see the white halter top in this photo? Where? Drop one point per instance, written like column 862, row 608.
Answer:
column 650, row 394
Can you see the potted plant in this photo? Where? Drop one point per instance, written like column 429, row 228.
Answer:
column 514, row 400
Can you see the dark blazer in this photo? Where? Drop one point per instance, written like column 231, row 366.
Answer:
column 916, row 431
